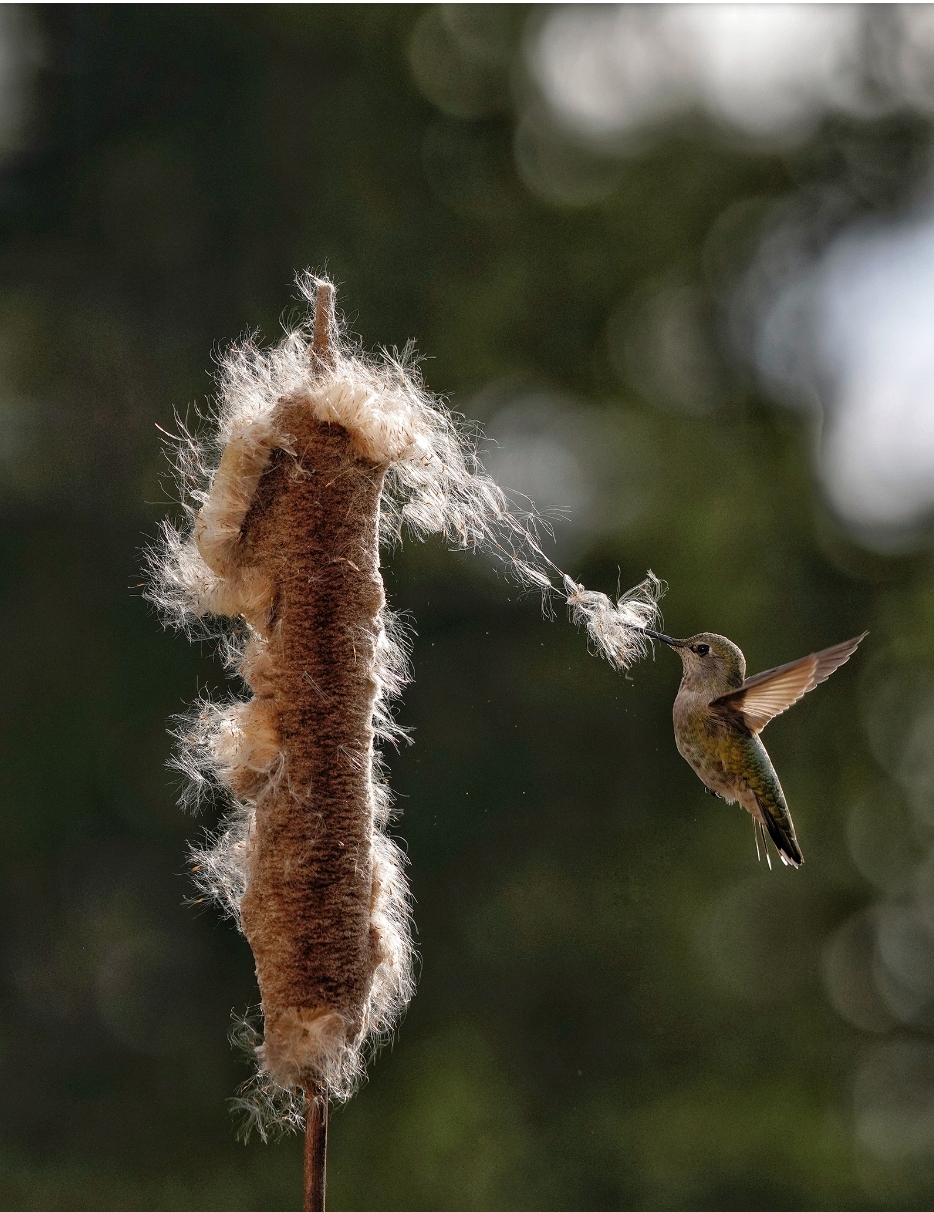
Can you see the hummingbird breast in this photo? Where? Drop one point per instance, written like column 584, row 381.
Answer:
column 729, row 760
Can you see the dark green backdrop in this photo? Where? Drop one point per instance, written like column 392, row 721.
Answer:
column 617, row 1007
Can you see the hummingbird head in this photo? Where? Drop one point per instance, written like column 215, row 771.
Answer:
column 711, row 662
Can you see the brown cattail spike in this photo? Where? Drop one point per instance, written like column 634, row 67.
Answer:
column 313, row 533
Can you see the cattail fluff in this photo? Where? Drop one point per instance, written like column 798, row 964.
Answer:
column 316, row 454
column 616, row 629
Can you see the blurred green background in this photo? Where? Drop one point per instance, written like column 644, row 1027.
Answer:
column 618, row 1008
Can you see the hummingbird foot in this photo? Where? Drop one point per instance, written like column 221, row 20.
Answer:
column 710, row 791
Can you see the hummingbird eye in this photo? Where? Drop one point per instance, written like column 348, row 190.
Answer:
column 701, row 649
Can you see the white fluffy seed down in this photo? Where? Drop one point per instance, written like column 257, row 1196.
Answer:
column 615, row 628
column 434, row 483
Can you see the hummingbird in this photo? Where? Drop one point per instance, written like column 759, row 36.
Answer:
column 719, row 713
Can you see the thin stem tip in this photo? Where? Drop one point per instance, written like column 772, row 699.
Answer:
column 323, row 344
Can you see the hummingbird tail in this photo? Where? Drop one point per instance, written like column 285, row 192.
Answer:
column 782, row 833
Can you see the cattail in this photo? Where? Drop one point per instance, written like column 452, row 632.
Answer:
column 316, row 455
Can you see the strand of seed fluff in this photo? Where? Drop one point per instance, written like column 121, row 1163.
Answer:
column 615, row 629
column 311, row 416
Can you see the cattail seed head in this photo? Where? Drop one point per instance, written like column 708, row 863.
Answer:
column 315, row 455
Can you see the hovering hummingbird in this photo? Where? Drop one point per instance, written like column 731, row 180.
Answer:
column 718, row 717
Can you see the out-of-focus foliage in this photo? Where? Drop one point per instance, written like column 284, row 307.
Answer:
column 617, row 1006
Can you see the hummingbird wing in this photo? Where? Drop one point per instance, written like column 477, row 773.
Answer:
column 768, row 694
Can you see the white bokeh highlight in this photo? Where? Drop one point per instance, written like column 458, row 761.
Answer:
column 763, row 70
column 854, row 332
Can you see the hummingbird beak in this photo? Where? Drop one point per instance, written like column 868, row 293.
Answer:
column 665, row 639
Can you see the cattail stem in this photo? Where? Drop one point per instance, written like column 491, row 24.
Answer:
column 316, row 1148
column 322, row 344
column 316, row 1100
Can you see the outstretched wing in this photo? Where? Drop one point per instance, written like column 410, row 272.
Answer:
column 768, row 694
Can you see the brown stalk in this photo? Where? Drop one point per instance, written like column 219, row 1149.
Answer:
column 316, row 1148
column 322, row 344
